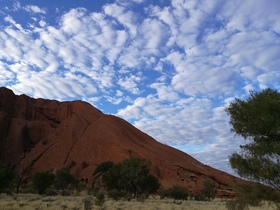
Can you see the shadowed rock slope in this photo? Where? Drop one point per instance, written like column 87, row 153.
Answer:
column 39, row 134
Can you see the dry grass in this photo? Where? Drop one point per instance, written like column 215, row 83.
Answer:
column 36, row 202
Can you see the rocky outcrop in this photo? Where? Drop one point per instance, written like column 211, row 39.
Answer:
column 40, row 134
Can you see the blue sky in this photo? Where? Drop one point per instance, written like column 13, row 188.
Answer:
column 170, row 68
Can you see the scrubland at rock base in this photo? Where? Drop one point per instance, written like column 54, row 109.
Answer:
column 35, row 202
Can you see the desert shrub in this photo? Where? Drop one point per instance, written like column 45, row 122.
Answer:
column 131, row 175
column 177, row 202
column 209, row 189
column 93, row 191
column 87, row 203
column 253, row 195
column 80, row 186
column 103, row 167
column 42, row 180
column 176, row 192
column 151, row 185
column 51, row 192
column 236, row 205
column 27, row 186
column 6, row 177
column 64, row 179
column 118, row 194
column 100, row 198
column 199, row 197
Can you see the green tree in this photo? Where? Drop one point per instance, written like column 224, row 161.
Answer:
column 257, row 120
column 100, row 198
column 100, row 170
column 113, row 178
column 6, row 177
column 151, row 185
column 209, row 189
column 103, row 167
column 176, row 192
column 63, row 179
column 42, row 180
column 131, row 175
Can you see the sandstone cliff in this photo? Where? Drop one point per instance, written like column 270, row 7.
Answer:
column 40, row 134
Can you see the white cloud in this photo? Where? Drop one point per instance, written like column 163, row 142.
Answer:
column 34, row 9
column 152, row 34
column 71, row 22
column 251, row 15
column 9, row 19
column 6, row 76
column 164, row 92
column 130, row 83
column 42, row 23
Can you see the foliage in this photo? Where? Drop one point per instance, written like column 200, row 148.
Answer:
column 63, row 179
column 100, row 198
column 131, row 175
column 113, row 178
column 199, row 197
column 80, row 185
column 87, row 203
column 151, row 184
column 209, row 189
column 6, row 177
column 42, row 180
column 253, row 195
column 103, row 167
column 176, row 192
column 118, row 195
column 257, row 119
column 236, row 205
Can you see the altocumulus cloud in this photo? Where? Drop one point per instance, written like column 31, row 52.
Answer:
column 169, row 68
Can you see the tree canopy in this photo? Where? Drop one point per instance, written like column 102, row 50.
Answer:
column 6, row 177
column 209, row 189
column 63, row 179
column 131, row 175
column 42, row 180
column 257, row 120
column 103, row 167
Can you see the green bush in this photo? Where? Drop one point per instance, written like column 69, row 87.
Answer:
column 103, row 167
column 131, row 175
column 199, row 197
column 253, row 195
column 80, row 186
column 118, row 194
column 209, row 190
column 100, row 198
column 27, row 186
column 236, row 205
column 87, row 203
column 42, row 180
column 64, row 179
column 176, row 192
column 6, row 177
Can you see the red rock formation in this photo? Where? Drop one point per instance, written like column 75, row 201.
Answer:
column 39, row 134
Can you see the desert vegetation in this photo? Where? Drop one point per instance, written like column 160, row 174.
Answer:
column 257, row 120
column 131, row 176
column 88, row 202
column 125, row 185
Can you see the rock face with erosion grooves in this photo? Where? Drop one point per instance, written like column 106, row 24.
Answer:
column 39, row 134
